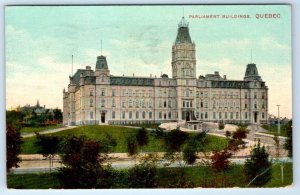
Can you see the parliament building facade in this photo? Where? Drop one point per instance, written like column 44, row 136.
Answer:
column 97, row 97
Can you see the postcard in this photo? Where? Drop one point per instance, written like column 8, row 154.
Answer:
column 148, row 96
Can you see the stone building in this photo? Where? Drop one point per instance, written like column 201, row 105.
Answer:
column 97, row 97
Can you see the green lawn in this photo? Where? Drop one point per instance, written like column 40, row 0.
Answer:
column 273, row 129
column 97, row 132
column 151, row 126
column 196, row 176
column 38, row 129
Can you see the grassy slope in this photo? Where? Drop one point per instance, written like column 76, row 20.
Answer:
column 199, row 176
column 97, row 132
column 273, row 129
column 38, row 129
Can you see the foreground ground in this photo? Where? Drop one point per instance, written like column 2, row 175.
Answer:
column 196, row 176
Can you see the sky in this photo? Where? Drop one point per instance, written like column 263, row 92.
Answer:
column 40, row 40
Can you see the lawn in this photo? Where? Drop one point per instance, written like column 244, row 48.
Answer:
column 273, row 129
column 97, row 132
column 38, row 129
column 196, row 176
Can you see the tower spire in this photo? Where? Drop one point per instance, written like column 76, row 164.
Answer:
column 72, row 64
column 101, row 47
column 251, row 56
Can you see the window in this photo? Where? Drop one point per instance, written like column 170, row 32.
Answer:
column 165, row 104
column 150, row 104
column 236, row 115
column 246, row 105
column 150, row 115
column 255, row 95
column 113, row 103
column 225, row 115
column 170, row 115
column 91, row 102
column 214, row 115
column 201, row 104
column 103, row 103
column 130, row 114
column 169, row 103
column 123, row 104
column 160, row 103
column 91, row 92
column 144, row 115
column 113, row 114
column 262, row 115
column 91, row 115
column 130, row 103
column 220, row 115
column 183, row 104
column 102, row 92
column 137, row 114
column 263, row 105
column 123, row 115
column 160, row 115
column 197, row 115
column 255, row 105
column 165, row 116
column 113, row 92
column 246, row 115
column 263, row 96
column 231, row 115
column 206, row 115
column 201, row 115
column 246, row 95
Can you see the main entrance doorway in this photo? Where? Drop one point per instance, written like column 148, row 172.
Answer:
column 255, row 117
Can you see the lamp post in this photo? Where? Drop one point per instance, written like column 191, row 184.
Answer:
column 278, row 122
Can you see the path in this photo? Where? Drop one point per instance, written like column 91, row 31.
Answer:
column 26, row 135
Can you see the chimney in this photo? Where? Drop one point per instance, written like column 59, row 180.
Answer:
column 88, row 67
column 216, row 73
column 225, row 78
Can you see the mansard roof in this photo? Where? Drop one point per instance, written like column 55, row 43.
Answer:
column 131, row 81
column 183, row 35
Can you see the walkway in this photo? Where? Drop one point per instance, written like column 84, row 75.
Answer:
column 26, row 135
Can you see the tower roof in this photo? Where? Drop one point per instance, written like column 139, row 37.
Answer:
column 101, row 62
column 183, row 35
column 252, row 73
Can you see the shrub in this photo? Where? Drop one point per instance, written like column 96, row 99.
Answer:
column 221, row 125
column 258, row 167
column 220, row 160
column 142, row 176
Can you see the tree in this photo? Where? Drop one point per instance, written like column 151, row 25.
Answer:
column 143, row 176
column 132, row 146
column 220, row 160
column 258, row 167
column 289, row 141
column 13, row 138
column 13, row 145
column 142, row 137
column 175, row 139
column 189, row 154
column 48, row 146
column 83, row 160
column 57, row 114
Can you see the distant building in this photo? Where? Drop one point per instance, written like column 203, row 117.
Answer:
column 97, row 97
column 36, row 109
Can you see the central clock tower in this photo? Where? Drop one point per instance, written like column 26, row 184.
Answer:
column 183, row 53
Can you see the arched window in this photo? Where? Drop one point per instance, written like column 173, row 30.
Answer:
column 144, row 115
column 137, row 114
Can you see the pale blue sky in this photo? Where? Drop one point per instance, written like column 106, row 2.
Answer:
column 138, row 39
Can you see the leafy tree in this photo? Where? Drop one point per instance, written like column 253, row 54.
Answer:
column 132, row 146
column 158, row 133
column 142, row 176
column 142, row 137
column 258, row 167
column 48, row 146
column 13, row 145
column 221, row 125
column 289, row 141
column 220, row 160
column 175, row 139
column 83, row 160
column 57, row 114
column 189, row 154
